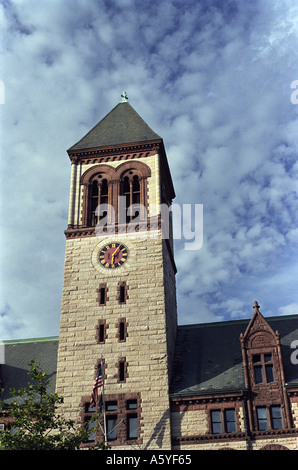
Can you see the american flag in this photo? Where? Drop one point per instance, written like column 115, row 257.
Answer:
column 97, row 384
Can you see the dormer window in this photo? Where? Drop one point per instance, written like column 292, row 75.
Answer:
column 263, row 368
column 267, row 405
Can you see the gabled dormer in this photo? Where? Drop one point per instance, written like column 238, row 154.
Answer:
column 261, row 352
column 268, row 406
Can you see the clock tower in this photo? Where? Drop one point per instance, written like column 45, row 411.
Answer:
column 119, row 294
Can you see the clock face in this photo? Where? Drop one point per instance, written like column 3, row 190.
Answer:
column 113, row 255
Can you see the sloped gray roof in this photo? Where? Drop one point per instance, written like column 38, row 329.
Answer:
column 208, row 356
column 17, row 357
column 122, row 125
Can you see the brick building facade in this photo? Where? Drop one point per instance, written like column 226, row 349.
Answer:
column 206, row 386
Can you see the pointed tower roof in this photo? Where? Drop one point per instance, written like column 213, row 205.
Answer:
column 123, row 125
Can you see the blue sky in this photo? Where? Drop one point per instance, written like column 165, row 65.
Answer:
column 213, row 78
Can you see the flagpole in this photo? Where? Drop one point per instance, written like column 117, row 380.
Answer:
column 104, row 406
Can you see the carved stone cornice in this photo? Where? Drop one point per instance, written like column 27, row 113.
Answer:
column 153, row 223
column 183, row 403
column 115, row 153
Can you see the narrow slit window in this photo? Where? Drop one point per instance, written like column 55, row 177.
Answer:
column 122, row 294
column 101, row 331
column 101, row 337
column 102, row 296
column 121, row 371
column 121, row 331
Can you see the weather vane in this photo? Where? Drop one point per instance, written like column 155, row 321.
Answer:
column 124, row 97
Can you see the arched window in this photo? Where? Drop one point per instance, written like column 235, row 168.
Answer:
column 97, row 190
column 93, row 202
column 103, row 184
column 136, row 190
column 99, row 196
column 130, row 189
column 136, row 196
column 125, row 191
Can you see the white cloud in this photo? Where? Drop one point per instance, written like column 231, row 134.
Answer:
column 289, row 309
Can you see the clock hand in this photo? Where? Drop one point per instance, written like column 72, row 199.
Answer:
column 113, row 255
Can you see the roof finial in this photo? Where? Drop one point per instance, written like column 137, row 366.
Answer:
column 124, row 97
column 256, row 306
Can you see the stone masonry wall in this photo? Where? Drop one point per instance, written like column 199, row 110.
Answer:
column 145, row 348
column 195, row 423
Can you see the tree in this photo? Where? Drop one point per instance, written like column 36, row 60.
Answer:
column 36, row 422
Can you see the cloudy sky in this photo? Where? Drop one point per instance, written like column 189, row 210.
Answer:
column 213, row 78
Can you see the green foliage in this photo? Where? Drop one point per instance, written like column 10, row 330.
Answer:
column 37, row 424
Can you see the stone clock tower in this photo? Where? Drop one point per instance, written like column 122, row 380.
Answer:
column 119, row 295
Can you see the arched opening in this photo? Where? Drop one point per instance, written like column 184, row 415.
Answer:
column 130, row 189
column 99, row 196
column 274, row 447
column 94, row 202
column 103, row 184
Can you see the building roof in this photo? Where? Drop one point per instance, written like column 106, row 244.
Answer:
column 207, row 359
column 122, row 125
column 16, row 362
column 208, row 356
